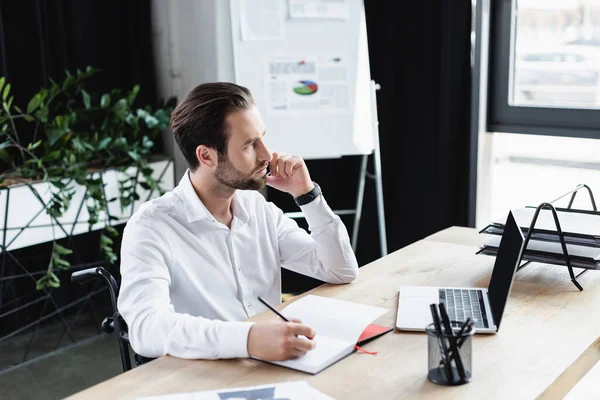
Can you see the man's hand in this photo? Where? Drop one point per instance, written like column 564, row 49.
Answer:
column 289, row 174
column 279, row 341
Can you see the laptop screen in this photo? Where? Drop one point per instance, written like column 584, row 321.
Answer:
column 507, row 261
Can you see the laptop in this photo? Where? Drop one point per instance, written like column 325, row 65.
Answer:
column 484, row 306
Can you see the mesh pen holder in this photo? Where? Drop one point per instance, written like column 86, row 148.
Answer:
column 448, row 368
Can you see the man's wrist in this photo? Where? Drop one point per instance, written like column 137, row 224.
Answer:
column 302, row 191
column 309, row 196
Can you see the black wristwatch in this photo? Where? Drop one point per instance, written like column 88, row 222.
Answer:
column 308, row 197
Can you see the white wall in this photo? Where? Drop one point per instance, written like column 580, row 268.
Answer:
column 192, row 45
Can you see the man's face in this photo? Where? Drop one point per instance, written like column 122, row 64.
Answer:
column 245, row 165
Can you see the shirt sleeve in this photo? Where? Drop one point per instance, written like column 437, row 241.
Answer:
column 155, row 329
column 326, row 253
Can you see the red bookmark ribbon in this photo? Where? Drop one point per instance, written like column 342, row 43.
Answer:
column 365, row 351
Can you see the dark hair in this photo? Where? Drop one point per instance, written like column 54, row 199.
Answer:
column 201, row 117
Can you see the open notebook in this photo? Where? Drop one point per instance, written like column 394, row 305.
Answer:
column 338, row 325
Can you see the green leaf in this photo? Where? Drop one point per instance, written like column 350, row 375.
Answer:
column 145, row 185
column 120, row 107
column 105, row 100
column 68, row 81
column 42, row 114
column 5, row 156
column 62, row 121
column 133, row 94
column 54, row 135
column 2, row 81
column 54, row 89
column 87, row 102
column 149, row 119
column 105, row 240
column 52, row 277
column 147, row 143
column 77, row 145
column 58, row 249
column 40, row 284
column 52, row 156
column 4, row 145
column 6, row 91
column 112, row 230
column 33, row 146
column 61, row 263
column 134, row 156
column 34, row 103
column 88, row 146
column 104, row 143
column 54, row 284
column 61, row 185
column 28, row 118
column 19, row 109
column 120, row 142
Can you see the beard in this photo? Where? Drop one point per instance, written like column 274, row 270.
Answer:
column 228, row 175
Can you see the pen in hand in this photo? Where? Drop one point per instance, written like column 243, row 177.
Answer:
column 273, row 309
column 280, row 315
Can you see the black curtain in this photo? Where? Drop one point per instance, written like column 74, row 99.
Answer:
column 40, row 39
column 420, row 54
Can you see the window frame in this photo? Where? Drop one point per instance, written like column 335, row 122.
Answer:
column 502, row 117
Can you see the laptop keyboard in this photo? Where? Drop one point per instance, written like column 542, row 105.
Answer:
column 464, row 303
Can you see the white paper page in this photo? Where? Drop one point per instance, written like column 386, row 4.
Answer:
column 261, row 20
column 551, row 247
column 324, row 9
column 569, row 221
column 339, row 319
column 299, row 390
column 306, row 85
column 327, row 348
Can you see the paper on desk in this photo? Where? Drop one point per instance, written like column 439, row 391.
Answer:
column 297, row 390
column 338, row 319
column 570, row 222
column 261, row 20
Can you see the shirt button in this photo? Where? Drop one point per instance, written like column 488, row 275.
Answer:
column 249, row 305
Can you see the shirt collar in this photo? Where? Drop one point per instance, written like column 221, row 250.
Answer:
column 195, row 210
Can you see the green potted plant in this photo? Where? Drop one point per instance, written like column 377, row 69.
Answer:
column 64, row 140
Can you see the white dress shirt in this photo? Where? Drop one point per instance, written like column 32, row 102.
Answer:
column 188, row 281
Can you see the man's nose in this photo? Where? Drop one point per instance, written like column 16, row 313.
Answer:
column 266, row 154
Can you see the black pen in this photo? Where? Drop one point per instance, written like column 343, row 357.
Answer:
column 453, row 340
column 442, row 343
column 467, row 326
column 273, row 309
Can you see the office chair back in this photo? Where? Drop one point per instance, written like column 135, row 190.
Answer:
column 115, row 324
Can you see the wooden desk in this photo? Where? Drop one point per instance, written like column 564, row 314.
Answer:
column 547, row 325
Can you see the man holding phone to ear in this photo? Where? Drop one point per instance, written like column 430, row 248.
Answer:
column 194, row 261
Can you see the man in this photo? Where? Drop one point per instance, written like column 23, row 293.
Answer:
column 194, row 261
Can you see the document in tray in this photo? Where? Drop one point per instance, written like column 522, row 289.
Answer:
column 576, row 223
column 299, row 390
column 552, row 248
column 338, row 325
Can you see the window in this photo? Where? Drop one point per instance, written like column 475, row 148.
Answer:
column 527, row 170
column 545, row 67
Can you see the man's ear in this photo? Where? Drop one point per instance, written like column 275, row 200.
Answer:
column 206, row 156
